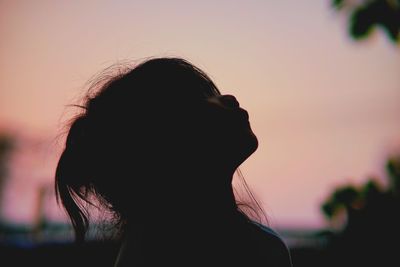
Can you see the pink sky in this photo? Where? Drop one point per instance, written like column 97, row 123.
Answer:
column 325, row 108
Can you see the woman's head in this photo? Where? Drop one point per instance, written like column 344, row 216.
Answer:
column 151, row 130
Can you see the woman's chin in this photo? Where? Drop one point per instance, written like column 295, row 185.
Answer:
column 252, row 143
column 248, row 146
column 255, row 142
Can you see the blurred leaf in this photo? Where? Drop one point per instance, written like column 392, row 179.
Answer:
column 361, row 23
column 393, row 170
column 369, row 14
column 341, row 198
column 328, row 209
column 337, row 4
column 345, row 195
column 371, row 187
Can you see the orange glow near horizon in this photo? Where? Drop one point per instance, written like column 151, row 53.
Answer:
column 325, row 108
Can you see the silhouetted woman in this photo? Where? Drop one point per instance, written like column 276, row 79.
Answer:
column 158, row 145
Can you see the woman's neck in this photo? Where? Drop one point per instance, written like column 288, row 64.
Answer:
column 206, row 195
column 206, row 202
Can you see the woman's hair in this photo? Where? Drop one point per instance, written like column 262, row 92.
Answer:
column 129, row 120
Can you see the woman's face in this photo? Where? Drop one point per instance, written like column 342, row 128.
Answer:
column 230, row 137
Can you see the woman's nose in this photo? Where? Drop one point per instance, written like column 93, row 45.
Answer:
column 230, row 101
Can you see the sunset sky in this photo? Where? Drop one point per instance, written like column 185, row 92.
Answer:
column 324, row 107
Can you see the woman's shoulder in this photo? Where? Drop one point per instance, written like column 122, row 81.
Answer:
column 268, row 234
column 271, row 243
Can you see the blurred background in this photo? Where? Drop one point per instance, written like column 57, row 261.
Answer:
column 319, row 79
